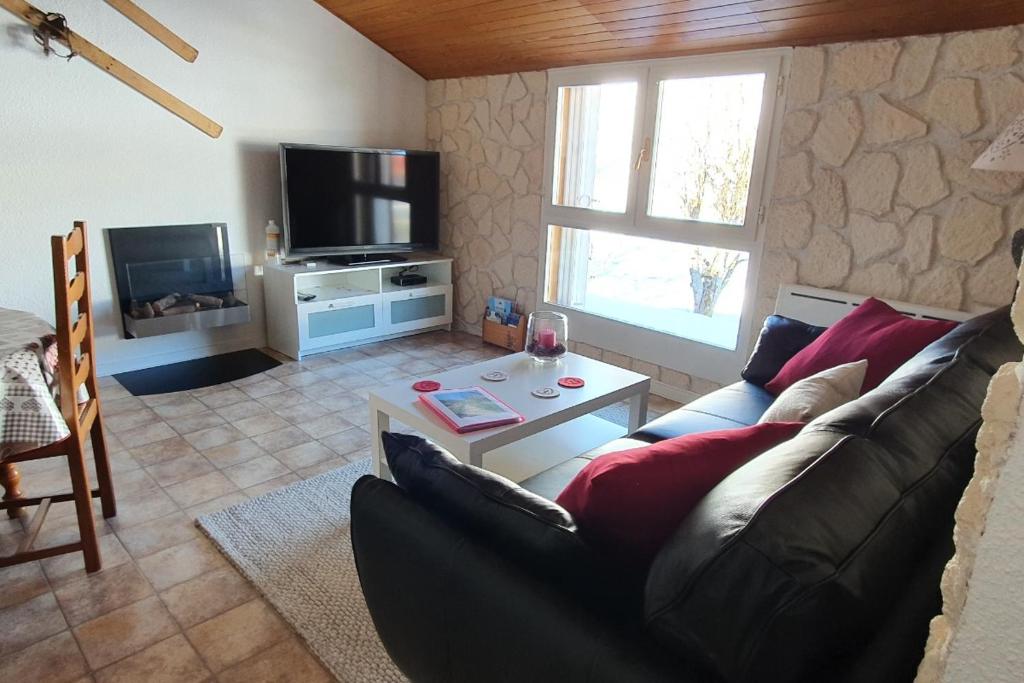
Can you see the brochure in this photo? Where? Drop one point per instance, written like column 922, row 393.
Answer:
column 470, row 409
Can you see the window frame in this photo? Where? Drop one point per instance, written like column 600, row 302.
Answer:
column 667, row 350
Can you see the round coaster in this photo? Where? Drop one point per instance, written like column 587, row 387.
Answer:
column 546, row 392
column 571, row 382
column 426, row 385
column 495, row 376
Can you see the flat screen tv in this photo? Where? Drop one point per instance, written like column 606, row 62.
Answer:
column 355, row 203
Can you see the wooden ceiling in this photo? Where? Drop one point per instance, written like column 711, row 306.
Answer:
column 451, row 38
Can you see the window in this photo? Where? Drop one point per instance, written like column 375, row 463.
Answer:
column 656, row 173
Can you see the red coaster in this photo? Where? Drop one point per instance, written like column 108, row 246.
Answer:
column 571, row 382
column 426, row 385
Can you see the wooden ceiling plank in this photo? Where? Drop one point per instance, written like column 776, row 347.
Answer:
column 674, row 24
column 451, row 38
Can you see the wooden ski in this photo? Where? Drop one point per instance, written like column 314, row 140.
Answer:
column 147, row 23
column 118, row 70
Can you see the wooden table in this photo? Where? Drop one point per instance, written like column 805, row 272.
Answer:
column 29, row 415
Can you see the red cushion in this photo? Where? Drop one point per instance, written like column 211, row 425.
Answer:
column 874, row 331
column 631, row 501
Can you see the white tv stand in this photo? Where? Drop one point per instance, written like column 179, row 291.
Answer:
column 353, row 304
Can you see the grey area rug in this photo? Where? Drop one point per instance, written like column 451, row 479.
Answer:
column 294, row 545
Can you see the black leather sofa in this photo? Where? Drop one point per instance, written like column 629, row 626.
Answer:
column 817, row 561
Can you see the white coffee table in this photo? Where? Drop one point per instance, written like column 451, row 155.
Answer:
column 555, row 429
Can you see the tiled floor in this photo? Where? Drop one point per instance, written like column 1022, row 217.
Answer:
column 166, row 605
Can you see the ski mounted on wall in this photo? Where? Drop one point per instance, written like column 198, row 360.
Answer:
column 52, row 27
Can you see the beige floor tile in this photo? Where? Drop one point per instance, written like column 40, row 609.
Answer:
column 281, row 399
column 54, row 660
column 160, row 399
column 195, row 423
column 301, row 379
column 344, row 402
column 183, row 406
column 146, row 434
column 324, row 426
column 242, row 410
column 213, row 437
column 181, row 469
column 237, row 634
column 321, row 390
column 355, row 380
column 162, row 451
column 304, row 455
column 271, row 485
column 20, row 583
column 130, row 419
column 169, row 661
column 322, row 467
column 125, row 404
column 124, row 632
column 289, row 660
column 260, row 424
column 135, row 483
column 216, row 505
column 201, row 489
column 255, row 471
column 145, row 539
column 281, row 439
column 206, row 596
column 180, row 563
column 140, row 509
column 223, row 397
column 302, row 411
column 264, row 388
column 234, row 453
column 96, row 594
column 347, row 441
column 29, row 622
column 70, row 566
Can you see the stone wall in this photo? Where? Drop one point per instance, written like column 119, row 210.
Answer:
column 874, row 193
column 490, row 132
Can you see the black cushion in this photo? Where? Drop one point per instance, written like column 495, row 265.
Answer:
column 737, row 405
column 796, row 559
column 781, row 338
column 526, row 528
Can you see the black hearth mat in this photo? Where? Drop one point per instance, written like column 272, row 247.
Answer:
column 196, row 374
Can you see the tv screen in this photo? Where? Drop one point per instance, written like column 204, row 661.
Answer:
column 354, row 201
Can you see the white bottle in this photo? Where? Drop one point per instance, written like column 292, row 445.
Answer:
column 273, row 243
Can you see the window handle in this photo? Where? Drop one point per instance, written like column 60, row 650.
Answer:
column 642, row 157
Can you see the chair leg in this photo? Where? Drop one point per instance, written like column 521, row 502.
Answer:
column 10, row 479
column 103, row 478
column 83, row 505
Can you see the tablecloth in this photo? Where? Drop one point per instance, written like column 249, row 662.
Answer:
column 29, row 416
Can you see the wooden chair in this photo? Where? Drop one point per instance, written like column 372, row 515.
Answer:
column 76, row 366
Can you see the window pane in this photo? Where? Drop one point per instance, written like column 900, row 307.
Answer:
column 593, row 146
column 681, row 289
column 704, row 147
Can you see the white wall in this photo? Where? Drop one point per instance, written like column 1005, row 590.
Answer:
column 77, row 144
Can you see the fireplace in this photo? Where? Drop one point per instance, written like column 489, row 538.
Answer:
column 174, row 278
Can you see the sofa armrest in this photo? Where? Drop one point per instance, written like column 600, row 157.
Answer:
column 449, row 609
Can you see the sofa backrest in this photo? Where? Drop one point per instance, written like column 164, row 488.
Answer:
column 795, row 559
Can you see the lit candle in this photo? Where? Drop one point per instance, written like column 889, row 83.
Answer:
column 546, row 339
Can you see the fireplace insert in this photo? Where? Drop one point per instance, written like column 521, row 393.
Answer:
column 174, row 278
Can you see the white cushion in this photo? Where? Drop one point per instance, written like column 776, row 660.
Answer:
column 818, row 394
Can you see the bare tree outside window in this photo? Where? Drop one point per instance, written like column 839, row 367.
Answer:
column 723, row 178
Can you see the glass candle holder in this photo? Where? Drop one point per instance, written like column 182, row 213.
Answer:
column 547, row 336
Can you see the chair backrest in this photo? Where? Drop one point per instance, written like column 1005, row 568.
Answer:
column 76, row 360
